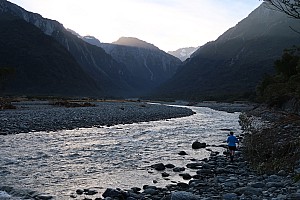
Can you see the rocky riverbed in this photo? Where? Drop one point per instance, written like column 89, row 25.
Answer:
column 32, row 116
column 215, row 178
column 206, row 179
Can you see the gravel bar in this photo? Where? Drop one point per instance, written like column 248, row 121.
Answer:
column 41, row 116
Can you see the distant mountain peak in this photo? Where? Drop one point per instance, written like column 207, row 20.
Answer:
column 92, row 40
column 134, row 42
column 183, row 53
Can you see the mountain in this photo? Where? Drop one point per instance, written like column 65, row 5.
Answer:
column 39, row 70
column 92, row 40
column 134, row 42
column 148, row 65
column 183, row 53
column 111, row 77
column 234, row 63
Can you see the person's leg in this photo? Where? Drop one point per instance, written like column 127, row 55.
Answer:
column 232, row 151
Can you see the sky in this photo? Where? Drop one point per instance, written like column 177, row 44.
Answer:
column 168, row 24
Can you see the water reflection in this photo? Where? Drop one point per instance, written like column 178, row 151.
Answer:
column 117, row 156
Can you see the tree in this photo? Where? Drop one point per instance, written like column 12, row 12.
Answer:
column 289, row 7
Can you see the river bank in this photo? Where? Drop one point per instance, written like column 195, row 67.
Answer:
column 32, row 116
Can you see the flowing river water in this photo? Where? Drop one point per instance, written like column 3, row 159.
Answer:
column 59, row 163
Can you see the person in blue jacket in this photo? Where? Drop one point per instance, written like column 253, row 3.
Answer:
column 232, row 144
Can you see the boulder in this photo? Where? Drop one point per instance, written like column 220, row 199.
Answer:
column 198, row 145
column 113, row 193
column 186, row 176
column 159, row 166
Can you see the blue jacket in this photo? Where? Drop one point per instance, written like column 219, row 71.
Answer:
column 232, row 140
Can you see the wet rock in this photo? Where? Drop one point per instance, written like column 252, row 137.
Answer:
column 90, row 192
column 170, row 166
column 165, row 174
column 184, row 196
column 274, row 184
column 257, row 185
column 194, row 165
column 282, row 173
column 151, row 191
column 230, row 196
column 44, row 197
column 182, row 153
column 248, row 191
column 205, row 172
column 159, row 166
column 186, row 176
column 79, row 191
column 198, row 145
column 136, row 189
column 112, row 193
column 178, row 169
column 183, row 185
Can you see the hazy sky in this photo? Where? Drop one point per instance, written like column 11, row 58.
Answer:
column 168, row 24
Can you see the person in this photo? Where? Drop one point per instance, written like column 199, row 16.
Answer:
column 232, row 141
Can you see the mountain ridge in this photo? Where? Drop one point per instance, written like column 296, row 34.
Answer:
column 38, row 70
column 233, row 64
column 111, row 77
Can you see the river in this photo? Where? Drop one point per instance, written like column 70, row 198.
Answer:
column 59, row 163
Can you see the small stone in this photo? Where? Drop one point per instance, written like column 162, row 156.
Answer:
column 136, row 189
column 281, row 173
column 170, row 166
column 44, row 197
column 257, row 185
column 248, row 191
column 230, row 196
column 165, row 174
column 79, row 191
column 184, row 196
column 194, row 165
column 275, row 184
column 182, row 153
column 183, row 185
column 90, row 192
column 178, row 169
column 151, row 191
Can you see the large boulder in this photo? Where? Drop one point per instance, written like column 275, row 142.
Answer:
column 198, row 145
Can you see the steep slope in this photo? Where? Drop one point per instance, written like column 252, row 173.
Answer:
column 148, row 65
column 237, row 60
column 110, row 76
column 183, row 53
column 42, row 66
